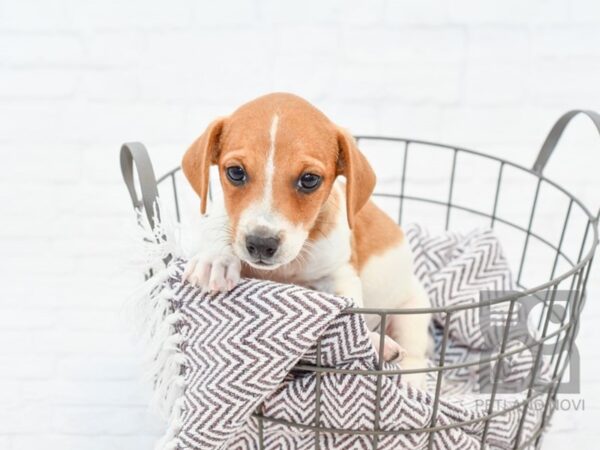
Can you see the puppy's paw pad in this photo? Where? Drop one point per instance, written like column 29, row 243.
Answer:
column 392, row 351
column 400, row 353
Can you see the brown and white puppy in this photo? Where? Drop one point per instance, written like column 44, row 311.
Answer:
column 287, row 219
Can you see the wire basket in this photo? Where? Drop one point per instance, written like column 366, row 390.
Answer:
column 550, row 256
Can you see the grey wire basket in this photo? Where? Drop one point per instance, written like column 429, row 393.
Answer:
column 575, row 267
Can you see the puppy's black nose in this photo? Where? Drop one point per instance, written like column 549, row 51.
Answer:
column 261, row 247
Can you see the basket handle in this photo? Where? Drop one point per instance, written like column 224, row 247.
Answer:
column 136, row 153
column 555, row 134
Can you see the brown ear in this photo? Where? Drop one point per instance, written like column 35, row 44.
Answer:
column 198, row 159
column 360, row 178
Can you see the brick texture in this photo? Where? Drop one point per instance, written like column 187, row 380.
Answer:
column 79, row 77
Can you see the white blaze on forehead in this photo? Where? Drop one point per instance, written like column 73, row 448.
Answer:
column 270, row 166
column 260, row 216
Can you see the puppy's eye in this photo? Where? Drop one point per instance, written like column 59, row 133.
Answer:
column 236, row 175
column 308, row 182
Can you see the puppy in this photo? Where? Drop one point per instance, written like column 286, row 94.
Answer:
column 287, row 219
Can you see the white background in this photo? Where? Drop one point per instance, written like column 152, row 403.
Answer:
column 78, row 78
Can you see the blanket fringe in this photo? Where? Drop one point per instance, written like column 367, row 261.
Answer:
column 157, row 324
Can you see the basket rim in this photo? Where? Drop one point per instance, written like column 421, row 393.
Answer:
column 585, row 259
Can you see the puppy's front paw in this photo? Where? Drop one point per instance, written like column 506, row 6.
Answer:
column 215, row 272
column 392, row 351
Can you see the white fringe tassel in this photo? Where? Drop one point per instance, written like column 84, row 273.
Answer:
column 157, row 326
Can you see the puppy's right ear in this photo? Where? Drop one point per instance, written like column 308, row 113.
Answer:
column 199, row 157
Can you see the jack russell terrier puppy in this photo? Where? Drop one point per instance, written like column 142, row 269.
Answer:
column 286, row 218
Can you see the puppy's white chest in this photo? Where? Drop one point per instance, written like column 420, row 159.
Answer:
column 327, row 255
column 320, row 261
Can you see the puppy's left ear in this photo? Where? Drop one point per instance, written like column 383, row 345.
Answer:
column 360, row 177
column 199, row 157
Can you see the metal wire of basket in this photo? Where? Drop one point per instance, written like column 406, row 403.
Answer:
column 573, row 274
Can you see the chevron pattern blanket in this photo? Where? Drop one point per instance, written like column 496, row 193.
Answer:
column 220, row 361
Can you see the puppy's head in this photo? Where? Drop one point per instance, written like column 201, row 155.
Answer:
column 278, row 157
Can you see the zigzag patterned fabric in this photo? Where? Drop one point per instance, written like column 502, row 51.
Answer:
column 221, row 360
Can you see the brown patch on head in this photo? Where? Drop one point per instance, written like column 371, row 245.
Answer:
column 298, row 138
column 276, row 139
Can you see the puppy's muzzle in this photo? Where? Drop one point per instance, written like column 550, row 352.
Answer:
column 262, row 248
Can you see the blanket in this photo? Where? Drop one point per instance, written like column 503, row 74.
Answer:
column 229, row 370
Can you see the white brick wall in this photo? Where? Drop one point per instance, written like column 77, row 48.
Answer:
column 78, row 78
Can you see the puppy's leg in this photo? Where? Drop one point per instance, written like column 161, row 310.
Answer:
column 392, row 351
column 411, row 332
column 347, row 283
column 213, row 265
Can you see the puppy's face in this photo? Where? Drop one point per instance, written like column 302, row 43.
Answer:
column 276, row 169
column 278, row 157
